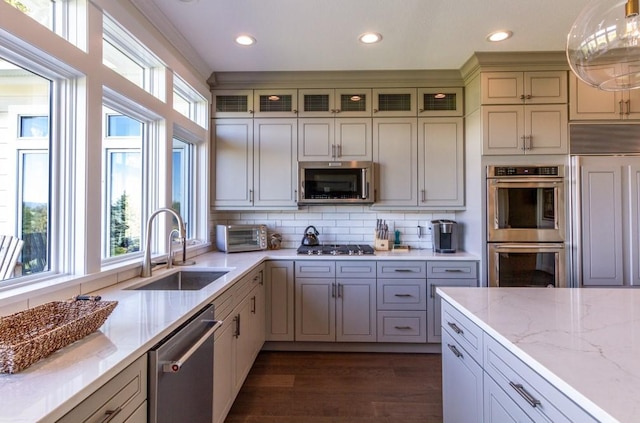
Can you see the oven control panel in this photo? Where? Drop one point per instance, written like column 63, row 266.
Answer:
column 498, row 171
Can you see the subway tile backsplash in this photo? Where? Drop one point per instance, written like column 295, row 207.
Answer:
column 337, row 224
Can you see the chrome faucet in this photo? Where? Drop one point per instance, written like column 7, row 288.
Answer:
column 146, row 263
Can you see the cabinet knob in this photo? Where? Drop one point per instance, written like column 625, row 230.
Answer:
column 251, row 112
column 375, row 110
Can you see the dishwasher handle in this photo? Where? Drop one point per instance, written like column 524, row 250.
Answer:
column 174, row 366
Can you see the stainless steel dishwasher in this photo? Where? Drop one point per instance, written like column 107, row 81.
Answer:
column 181, row 372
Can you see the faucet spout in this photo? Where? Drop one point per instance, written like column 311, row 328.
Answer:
column 146, row 263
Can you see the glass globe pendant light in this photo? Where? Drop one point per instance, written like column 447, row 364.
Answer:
column 603, row 46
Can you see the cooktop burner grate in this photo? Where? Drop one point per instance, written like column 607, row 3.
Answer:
column 336, row 250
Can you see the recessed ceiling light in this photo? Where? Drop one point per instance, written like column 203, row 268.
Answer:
column 499, row 36
column 370, row 37
column 245, row 40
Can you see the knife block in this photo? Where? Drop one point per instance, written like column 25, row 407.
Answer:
column 380, row 244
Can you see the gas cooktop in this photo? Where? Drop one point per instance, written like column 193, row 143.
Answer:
column 336, row 250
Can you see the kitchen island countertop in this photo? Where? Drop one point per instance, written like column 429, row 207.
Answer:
column 584, row 341
column 51, row 387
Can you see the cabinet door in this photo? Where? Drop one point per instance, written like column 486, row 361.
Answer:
column 316, row 140
column 499, row 407
column 232, row 103
column 395, row 150
column 224, row 362
column 353, row 102
column 279, row 301
column 275, row 179
column 633, row 176
column 545, row 87
column 602, row 245
column 390, row 102
column 353, row 139
column 275, row 103
column 258, row 313
column 441, row 162
column 315, row 309
column 503, row 130
column 462, row 391
column 316, row 102
column 233, row 146
column 244, row 344
column 546, row 129
column 434, row 304
column 356, row 310
column 445, row 101
column 590, row 103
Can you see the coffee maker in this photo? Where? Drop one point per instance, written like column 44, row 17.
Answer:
column 445, row 236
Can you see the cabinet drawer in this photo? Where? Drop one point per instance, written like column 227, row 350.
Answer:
column 463, row 330
column 399, row 294
column 402, row 326
column 452, row 269
column 315, row 269
column 356, row 269
column 122, row 395
column 537, row 397
column 223, row 304
column 402, row 269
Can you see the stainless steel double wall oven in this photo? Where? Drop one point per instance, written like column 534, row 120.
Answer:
column 526, row 226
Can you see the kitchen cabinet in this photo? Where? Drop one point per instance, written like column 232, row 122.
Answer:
column 401, row 309
column 609, row 195
column 275, row 103
column 334, row 139
column 445, row 273
column 518, row 130
column 536, row 87
column 420, row 163
column 439, row 102
column 335, row 301
column 441, row 162
column 394, row 102
column 239, row 339
column 255, row 163
column 329, row 102
column 590, row 103
column 499, row 407
column 279, row 289
column 121, row 399
column 232, row 104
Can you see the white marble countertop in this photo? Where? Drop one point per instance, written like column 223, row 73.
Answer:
column 50, row 388
column 585, row 341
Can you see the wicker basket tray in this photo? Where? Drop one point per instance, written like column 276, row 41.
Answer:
column 31, row 335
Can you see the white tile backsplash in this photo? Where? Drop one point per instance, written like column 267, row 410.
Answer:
column 337, row 224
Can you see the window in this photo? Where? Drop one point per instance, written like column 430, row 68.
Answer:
column 188, row 102
column 25, row 181
column 122, row 185
column 128, row 57
column 182, row 183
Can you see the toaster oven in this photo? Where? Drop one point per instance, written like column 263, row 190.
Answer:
column 237, row 238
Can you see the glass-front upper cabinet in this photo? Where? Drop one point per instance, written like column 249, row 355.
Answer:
column 326, row 102
column 440, row 101
column 275, row 103
column 232, row 103
column 394, row 102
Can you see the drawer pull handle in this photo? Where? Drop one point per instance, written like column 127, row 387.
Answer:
column 403, row 270
column 455, row 328
column 524, row 394
column 403, row 295
column 403, row 327
column 453, row 270
column 110, row 414
column 454, row 350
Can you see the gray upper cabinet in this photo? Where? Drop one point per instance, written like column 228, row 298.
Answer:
column 390, row 102
column 590, row 103
column 326, row 102
column 548, row 87
column 232, row 104
column 440, row 102
column 275, row 103
column 322, row 139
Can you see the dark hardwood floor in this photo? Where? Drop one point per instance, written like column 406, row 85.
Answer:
column 321, row 387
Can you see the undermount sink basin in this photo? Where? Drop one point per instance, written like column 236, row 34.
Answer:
column 183, row 280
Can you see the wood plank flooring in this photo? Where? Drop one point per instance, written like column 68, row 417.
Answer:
column 321, row 387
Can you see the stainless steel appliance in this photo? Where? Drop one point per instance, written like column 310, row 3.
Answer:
column 237, row 238
column 445, row 236
column 181, row 372
column 336, row 182
column 336, row 250
column 527, row 265
column 525, row 204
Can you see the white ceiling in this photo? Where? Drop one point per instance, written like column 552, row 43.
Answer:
column 304, row 35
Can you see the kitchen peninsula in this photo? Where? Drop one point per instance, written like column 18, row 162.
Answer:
column 574, row 350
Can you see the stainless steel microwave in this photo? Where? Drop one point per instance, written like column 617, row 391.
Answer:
column 237, row 238
column 348, row 182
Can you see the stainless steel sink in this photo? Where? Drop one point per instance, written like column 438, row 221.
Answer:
column 183, row 280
